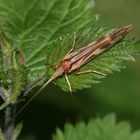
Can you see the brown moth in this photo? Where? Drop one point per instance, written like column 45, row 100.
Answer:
column 75, row 60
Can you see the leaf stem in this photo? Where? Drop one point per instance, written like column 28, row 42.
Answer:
column 9, row 122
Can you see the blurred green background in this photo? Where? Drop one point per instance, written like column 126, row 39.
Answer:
column 119, row 93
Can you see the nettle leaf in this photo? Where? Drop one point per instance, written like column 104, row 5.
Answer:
column 97, row 129
column 17, row 131
column 34, row 24
column 44, row 30
column 1, row 135
column 107, row 63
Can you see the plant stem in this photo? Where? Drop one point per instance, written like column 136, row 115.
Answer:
column 9, row 122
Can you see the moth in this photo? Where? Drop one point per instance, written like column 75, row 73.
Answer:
column 76, row 59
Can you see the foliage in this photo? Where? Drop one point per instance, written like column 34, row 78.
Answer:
column 37, row 27
column 98, row 129
column 44, row 34
column 34, row 24
column 1, row 135
column 107, row 63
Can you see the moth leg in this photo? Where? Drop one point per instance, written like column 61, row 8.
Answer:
column 73, row 44
column 51, row 64
column 54, row 66
column 91, row 71
column 68, row 82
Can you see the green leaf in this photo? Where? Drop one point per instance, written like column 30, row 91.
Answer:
column 33, row 24
column 13, row 71
column 17, row 131
column 108, row 62
column 1, row 135
column 44, row 30
column 98, row 129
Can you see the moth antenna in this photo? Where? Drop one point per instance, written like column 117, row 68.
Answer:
column 37, row 93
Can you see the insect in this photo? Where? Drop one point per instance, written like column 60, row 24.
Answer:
column 76, row 59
